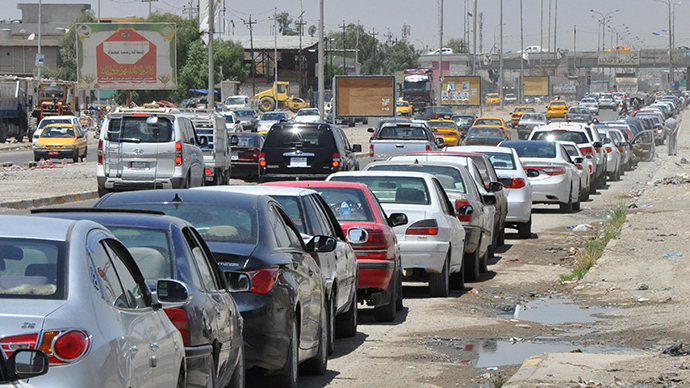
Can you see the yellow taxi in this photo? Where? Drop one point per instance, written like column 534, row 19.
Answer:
column 403, row 108
column 618, row 48
column 494, row 122
column 447, row 130
column 556, row 108
column 61, row 141
column 518, row 112
column 492, row 99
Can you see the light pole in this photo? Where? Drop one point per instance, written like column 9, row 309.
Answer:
column 500, row 55
column 603, row 19
column 614, row 30
column 671, row 80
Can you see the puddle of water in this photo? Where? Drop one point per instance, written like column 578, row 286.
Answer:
column 557, row 310
column 485, row 353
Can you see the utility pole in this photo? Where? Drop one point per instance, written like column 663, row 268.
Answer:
column 555, row 28
column 541, row 38
column 211, row 79
column 300, row 25
column 549, row 33
column 251, row 23
column 357, row 47
column 343, row 26
column 481, row 32
column 474, row 38
column 40, row 4
column 275, row 46
column 500, row 56
column 521, row 89
column 373, row 52
column 440, row 52
column 321, row 74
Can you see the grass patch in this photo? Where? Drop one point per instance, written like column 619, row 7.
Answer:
column 592, row 250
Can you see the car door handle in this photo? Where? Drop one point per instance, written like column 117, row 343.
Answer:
column 153, row 346
column 133, row 350
column 218, row 313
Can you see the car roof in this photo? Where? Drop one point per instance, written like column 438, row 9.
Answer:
column 179, row 195
column 444, row 153
column 447, row 163
column 561, row 125
column 42, row 228
column 396, row 174
column 261, row 190
column 479, row 150
column 59, row 125
column 108, row 216
column 334, row 184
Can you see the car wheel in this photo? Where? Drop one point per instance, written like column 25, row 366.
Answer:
column 75, row 158
column 601, row 181
column 331, row 324
column 471, row 264
column 347, row 322
column 457, row 280
column 439, row 282
column 289, row 380
column 318, row 365
column 568, row 206
column 185, row 184
column 181, row 378
column 484, row 263
column 237, row 379
column 386, row 312
column 37, row 158
column 584, row 193
column 525, row 229
column 86, row 151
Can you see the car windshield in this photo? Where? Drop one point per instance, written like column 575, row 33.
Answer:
column 308, row 112
column 522, row 109
column 588, row 101
column 46, row 122
column 347, row 204
column 463, row 120
column 532, row 117
column 401, row 133
column 57, row 132
column 150, row 249
column 32, row 269
column 533, row 149
column 402, row 103
column 484, row 132
column 397, row 190
column 441, row 124
column 575, row 137
column 140, row 129
column 274, row 116
column 557, row 103
column 248, row 141
column 235, row 101
column 307, row 137
column 488, row 122
column 449, row 177
column 441, row 109
column 244, row 113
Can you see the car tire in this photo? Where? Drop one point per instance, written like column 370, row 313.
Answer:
column 267, row 104
column 525, row 229
column 181, row 378
column 457, row 280
column 86, row 152
column 568, row 206
column 484, row 263
column 386, row 312
column 211, row 380
column 346, row 326
column 584, row 194
column 330, row 315
column 471, row 264
column 37, row 158
column 289, row 380
column 75, row 158
column 601, row 181
column 501, row 241
column 439, row 282
column 238, row 379
column 365, row 121
column 317, row 365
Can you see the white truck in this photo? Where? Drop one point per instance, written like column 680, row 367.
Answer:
column 396, row 138
column 215, row 144
column 15, row 109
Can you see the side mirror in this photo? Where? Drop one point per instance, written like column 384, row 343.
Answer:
column 495, row 186
column 203, row 141
column 357, row 148
column 578, row 160
column 397, row 219
column 489, row 199
column 620, row 144
column 321, row 244
column 238, row 282
column 597, row 144
column 234, row 140
column 172, row 291
column 370, row 130
column 357, row 236
column 439, row 141
column 532, row 173
column 26, row 363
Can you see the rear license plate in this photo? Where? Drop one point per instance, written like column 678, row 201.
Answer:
column 234, row 156
column 52, row 152
column 139, row 165
column 298, row 162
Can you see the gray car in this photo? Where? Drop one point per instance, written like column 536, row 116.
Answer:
column 72, row 289
column 579, row 114
column 248, row 119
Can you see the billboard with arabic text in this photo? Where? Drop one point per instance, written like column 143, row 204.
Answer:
column 132, row 56
column 618, row 58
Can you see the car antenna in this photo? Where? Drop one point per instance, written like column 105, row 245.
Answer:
column 177, row 198
column 416, row 161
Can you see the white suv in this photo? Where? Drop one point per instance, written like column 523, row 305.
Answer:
column 148, row 148
column 587, row 140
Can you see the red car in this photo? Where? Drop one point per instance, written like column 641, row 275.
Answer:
column 245, row 155
column 378, row 259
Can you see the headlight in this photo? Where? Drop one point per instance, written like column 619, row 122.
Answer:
column 68, row 146
column 39, row 146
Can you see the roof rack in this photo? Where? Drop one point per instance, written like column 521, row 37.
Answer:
column 96, row 210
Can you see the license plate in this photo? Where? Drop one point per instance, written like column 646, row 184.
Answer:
column 234, row 156
column 139, row 165
column 298, row 162
column 52, row 152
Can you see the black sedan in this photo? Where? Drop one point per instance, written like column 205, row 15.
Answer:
column 285, row 318
column 170, row 248
column 487, row 136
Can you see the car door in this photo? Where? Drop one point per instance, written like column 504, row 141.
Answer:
column 575, row 183
column 643, row 146
column 457, row 232
column 192, row 157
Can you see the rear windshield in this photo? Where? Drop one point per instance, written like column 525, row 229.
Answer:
column 401, row 133
column 484, row 132
column 464, row 120
column 248, row 141
column 140, row 129
column 575, row 137
column 501, row 161
column 347, row 204
column 532, row 116
column 572, row 150
column 32, row 269
column 307, row 137
column 534, row 149
column 488, row 122
column 46, row 121
column 244, row 113
column 449, row 177
column 150, row 249
column 273, row 116
column 308, row 112
column 398, row 190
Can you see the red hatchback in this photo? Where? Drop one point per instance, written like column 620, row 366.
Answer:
column 378, row 259
column 245, row 155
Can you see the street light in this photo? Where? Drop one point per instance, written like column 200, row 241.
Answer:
column 603, row 19
column 614, row 30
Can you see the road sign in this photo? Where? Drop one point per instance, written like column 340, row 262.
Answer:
column 40, row 58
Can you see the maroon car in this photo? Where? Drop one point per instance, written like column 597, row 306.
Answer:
column 245, row 155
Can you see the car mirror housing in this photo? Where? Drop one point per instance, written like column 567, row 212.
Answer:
column 26, row 363
column 397, row 219
column 238, row 281
column 320, row 244
column 532, row 173
column 495, row 186
column 172, row 291
column 357, row 147
column 579, row 159
column 597, row 144
column 357, row 236
column 489, row 199
column 439, row 141
column 234, row 140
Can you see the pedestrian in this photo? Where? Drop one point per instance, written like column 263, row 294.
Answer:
column 672, row 127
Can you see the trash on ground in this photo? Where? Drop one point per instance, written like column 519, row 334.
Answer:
column 679, row 254
column 676, row 350
column 643, row 287
column 674, row 180
column 583, row 228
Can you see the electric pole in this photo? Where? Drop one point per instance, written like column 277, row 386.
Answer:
column 343, row 26
column 211, row 80
column 300, row 25
column 474, row 38
column 251, row 23
column 521, row 90
column 321, row 65
column 500, row 55
column 275, row 46
column 440, row 53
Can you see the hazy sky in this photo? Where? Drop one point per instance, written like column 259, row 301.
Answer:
column 641, row 17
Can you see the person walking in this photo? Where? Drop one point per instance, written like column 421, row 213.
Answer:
column 672, row 127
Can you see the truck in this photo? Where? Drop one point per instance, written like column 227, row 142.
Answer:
column 277, row 97
column 418, row 88
column 55, row 98
column 213, row 137
column 16, row 105
column 396, row 138
column 599, row 86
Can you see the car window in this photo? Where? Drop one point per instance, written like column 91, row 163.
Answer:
column 575, row 137
column 529, row 149
column 450, row 177
column 135, row 295
column 488, row 122
column 279, row 229
column 313, row 205
column 32, row 269
column 399, row 190
column 295, row 209
column 501, row 161
column 136, row 129
column 150, row 250
column 406, row 132
column 307, row 137
column 104, row 278
column 202, row 262
column 347, row 204
column 571, row 150
column 445, row 205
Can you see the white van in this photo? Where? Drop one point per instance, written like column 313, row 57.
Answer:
column 148, row 148
column 237, row 102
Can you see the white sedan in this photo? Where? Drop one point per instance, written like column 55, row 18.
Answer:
column 585, row 167
column 307, row 115
column 556, row 180
column 433, row 240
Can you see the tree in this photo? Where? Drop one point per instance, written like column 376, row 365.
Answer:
column 399, row 56
column 458, row 45
column 356, row 38
column 284, row 21
column 67, row 71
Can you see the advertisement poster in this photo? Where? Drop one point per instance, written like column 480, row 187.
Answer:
column 460, row 90
column 365, row 96
column 132, row 56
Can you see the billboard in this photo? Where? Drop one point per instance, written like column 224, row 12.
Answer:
column 563, row 85
column 464, row 90
column 536, row 86
column 365, row 96
column 131, row 56
column 618, row 58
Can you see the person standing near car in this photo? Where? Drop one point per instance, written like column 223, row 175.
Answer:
column 672, row 128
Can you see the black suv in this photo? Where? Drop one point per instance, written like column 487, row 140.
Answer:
column 306, row 151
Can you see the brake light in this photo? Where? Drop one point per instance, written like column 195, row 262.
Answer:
column 207, row 172
column 423, row 227
column 178, row 317
column 608, row 149
column 262, row 159
column 515, row 183
column 587, row 150
column 428, row 147
column 336, row 160
column 620, row 149
column 139, row 114
column 375, row 247
column 459, row 204
column 263, row 280
column 371, row 150
column 255, row 155
column 100, row 152
column 552, row 171
column 22, row 341
column 178, row 153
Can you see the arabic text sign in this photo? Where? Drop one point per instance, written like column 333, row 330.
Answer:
column 365, row 95
column 618, row 58
column 461, row 90
column 126, row 56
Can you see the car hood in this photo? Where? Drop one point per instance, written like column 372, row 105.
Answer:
column 19, row 314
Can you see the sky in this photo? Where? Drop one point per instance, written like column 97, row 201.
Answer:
column 638, row 20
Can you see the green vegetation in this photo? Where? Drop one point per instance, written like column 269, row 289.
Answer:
column 592, row 250
column 498, row 380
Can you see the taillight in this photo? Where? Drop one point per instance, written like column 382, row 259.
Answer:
column 263, row 280
column 208, row 172
column 22, row 341
column 371, row 150
column 178, row 153
column 100, row 152
column 459, row 205
column 608, row 149
column 71, row 345
column 428, row 147
column 255, row 155
column 375, row 247
column 336, row 160
column 549, row 170
column 262, row 159
column 515, row 183
column 620, row 149
column 178, row 317
column 587, row 150
column 423, row 227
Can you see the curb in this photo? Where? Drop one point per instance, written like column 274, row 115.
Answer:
column 49, row 201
